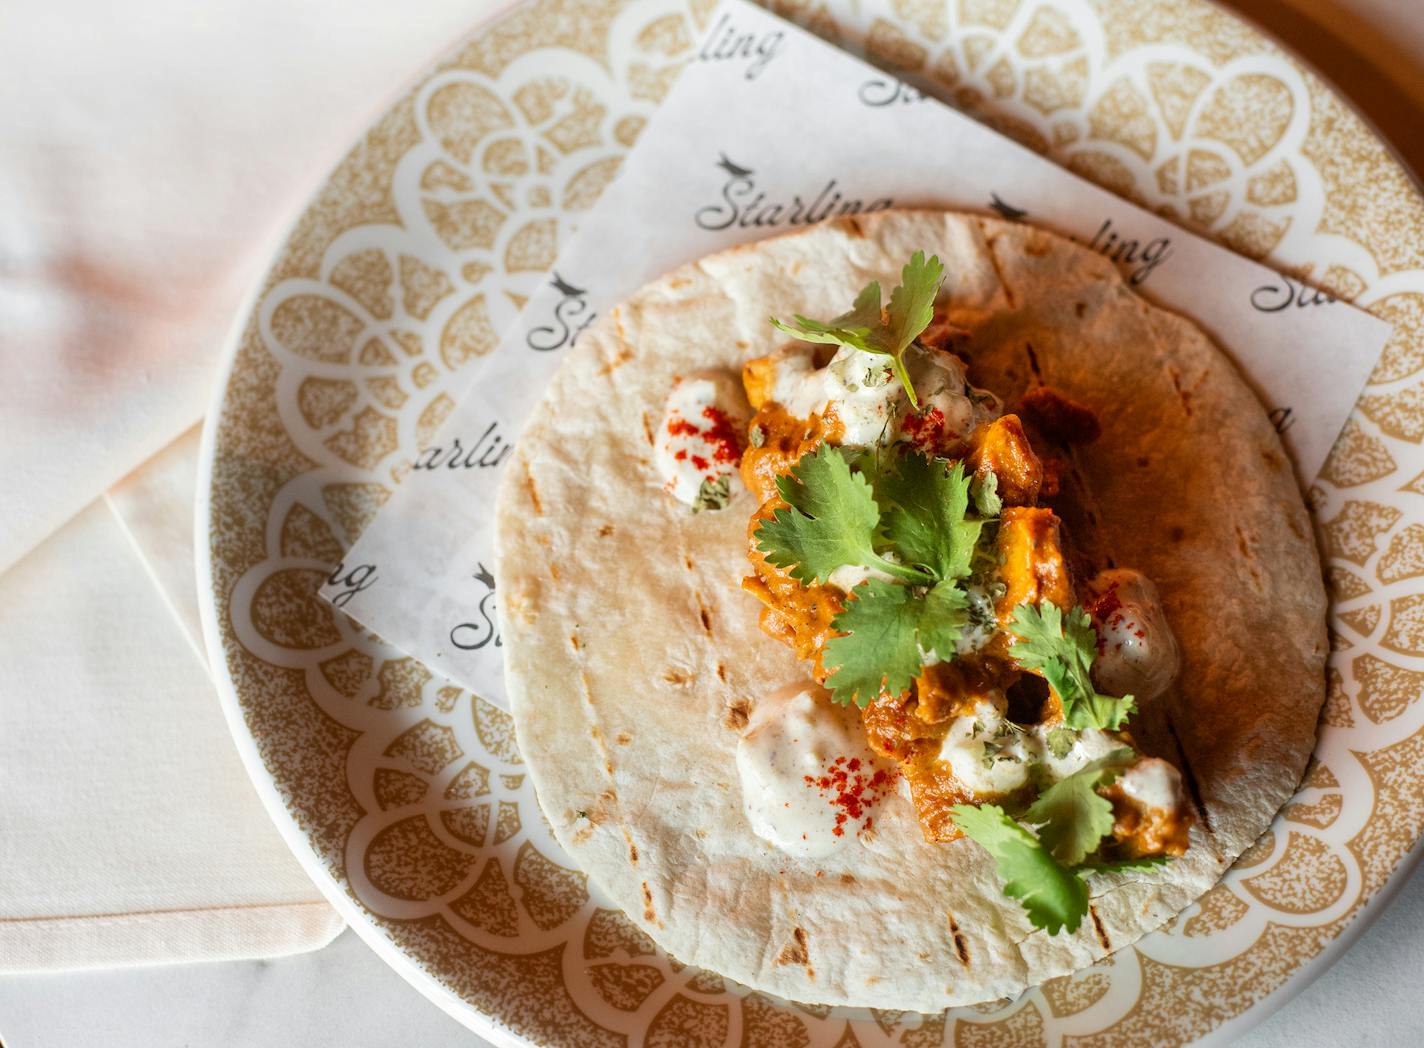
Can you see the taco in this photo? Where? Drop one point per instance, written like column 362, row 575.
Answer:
column 908, row 650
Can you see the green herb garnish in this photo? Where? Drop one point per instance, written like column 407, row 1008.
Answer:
column 910, row 311
column 832, row 521
column 1045, row 871
column 1063, row 652
column 712, row 494
column 985, row 492
column 1073, row 818
column 1061, row 741
column 1053, row 896
column 905, row 519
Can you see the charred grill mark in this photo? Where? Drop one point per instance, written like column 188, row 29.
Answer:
column 1183, row 395
column 648, row 430
column 532, row 490
column 623, row 738
column 1188, row 775
column 722, row 673
column 1248, row 556
column 705, row 615
column 574, row 641
column 961, row 947
column 605, row 531
column 1033, row 362
column 648, row 914
column 688, row 561
column 989, row 243
column 633, row 853
column 797, row 951
column 621, row 357
column 1098, row 927
column 852, row 227
column 737, row 714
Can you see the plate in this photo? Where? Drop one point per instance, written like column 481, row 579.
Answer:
column 406, row 798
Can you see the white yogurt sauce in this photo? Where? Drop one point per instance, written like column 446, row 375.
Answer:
column 1137, row 652
column 800, row 752
column 985, row 753
column 696, row 457
column 990, row 756
column 865, row 394
column 1089, row 744
column 1153, row 783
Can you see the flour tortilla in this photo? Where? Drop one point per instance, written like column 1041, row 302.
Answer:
column 628, row 638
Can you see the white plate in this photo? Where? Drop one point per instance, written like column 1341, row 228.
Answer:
column 405, row 797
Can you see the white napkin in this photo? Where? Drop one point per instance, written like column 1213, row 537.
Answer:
column 151, row 152
column 129, row 832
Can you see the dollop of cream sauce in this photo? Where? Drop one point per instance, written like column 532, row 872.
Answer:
column 1154, row 783
column 700, row 439
column 990, row 755
column 1137, row 651
column 862, row 391
column 810, row 783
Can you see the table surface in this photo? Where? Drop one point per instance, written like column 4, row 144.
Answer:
column 1373, row 50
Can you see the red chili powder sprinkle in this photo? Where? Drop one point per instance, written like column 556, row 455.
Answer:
column 699, row 463
column 680, row 427
column 722, row 435
column 851, row 791
column 927, row 430
column 1106, row 608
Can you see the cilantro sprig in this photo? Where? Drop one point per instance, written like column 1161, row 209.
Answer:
column 864, row 327
column 1053, row 897
column 1063, row 652
column 1045, row 871
column 906, row 520
column 831, row 520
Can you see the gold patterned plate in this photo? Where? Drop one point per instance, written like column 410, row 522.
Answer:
column 406, row 798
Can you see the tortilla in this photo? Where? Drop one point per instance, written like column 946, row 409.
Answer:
column 632, row 655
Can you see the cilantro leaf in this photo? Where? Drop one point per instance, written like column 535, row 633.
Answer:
column 1053, row 897
column 910, row 311
column 1063, row 653
column 830, row 522
column 1061, row 741
column 851, row 329
column 878, row 649
column 1071, row 815
column 985, row 492
column 712, row 494
column 926, row 516
column 943, row 618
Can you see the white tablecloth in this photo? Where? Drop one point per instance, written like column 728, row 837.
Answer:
column 150, row 153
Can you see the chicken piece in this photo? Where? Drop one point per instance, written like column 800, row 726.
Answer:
column 1002, row 447
column 1032, row 566
column 798, row 615
column 1151, row 815
column 778, row 442
column 949, row 689
column 758, row 379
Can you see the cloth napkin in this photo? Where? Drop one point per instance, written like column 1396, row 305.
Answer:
column 147, row 168
column 128, row 830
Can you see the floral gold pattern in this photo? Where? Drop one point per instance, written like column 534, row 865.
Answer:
column 410, row 793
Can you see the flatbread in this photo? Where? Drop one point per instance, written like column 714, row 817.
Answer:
column 631, row 650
